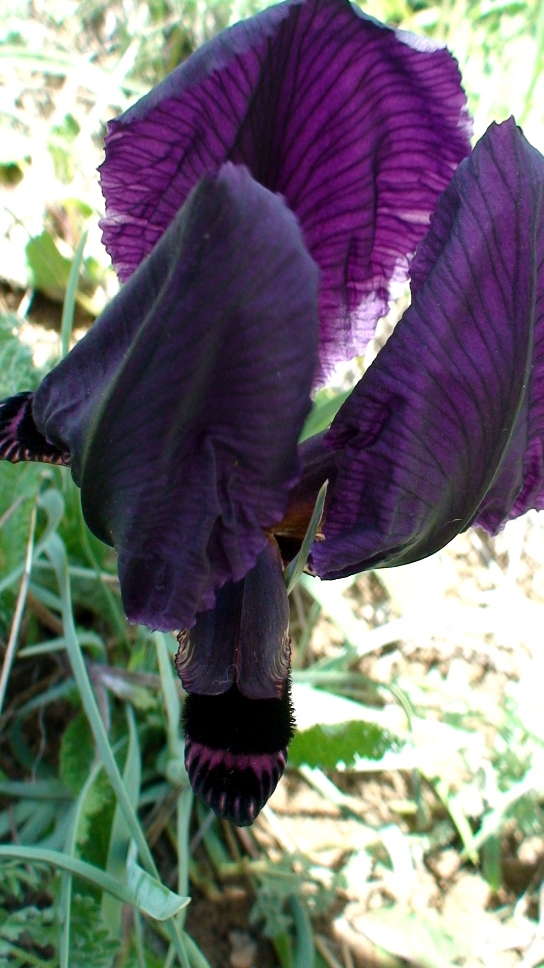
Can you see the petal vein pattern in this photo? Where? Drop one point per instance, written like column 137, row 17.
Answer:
column 358, row 129
column 182, row 406
column 445, row 429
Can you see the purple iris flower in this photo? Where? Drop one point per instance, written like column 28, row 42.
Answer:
column 261, row 202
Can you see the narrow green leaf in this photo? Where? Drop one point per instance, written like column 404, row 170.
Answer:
column 97, row 878
column 92, row 640
column 67, row 321
column 171, row 698
column 52, row 503
column 65, row 900
column 111, row 909
column 37, row 790
column 322, row 414
column 305, row 951
column 57, row 555
column 151, row 896
column 296, row 567
column 492, row 862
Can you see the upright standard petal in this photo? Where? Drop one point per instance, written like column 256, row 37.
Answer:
column 358, row 126
column 182, row 407
column 446, row 428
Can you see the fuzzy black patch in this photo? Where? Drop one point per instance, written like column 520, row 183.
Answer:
column 240, row 725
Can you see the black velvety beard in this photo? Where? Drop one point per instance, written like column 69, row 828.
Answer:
column 236, row 750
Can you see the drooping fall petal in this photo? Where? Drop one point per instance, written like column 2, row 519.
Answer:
column 182, row 406
column 360, row 127
column 446, row 428
column 236, row 750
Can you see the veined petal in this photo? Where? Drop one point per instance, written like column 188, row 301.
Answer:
column 358, row 126
column 182, row 407
column 446, row 427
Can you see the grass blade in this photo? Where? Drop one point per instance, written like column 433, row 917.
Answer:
column 296, row 567
column 19, row 609
column 93, row 875
column 67, row 321
column 111, row 909
column 57, row 555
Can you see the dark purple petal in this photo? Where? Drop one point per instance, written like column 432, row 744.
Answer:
column 236, row 750
column 244, row 639
column 182, row 406
column 446, row 427
column 20, row 439
column 358, row 126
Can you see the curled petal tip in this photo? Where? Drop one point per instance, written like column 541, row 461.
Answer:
column 236, row 786
column 236, row 750
column 20, row 438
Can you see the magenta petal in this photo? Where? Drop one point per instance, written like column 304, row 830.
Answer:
column 182, row 406
column 358, row 126
column 446, row 427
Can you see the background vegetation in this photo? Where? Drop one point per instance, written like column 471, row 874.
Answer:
column 410, row 826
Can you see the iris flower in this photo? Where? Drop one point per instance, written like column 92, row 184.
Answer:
column 262, row 203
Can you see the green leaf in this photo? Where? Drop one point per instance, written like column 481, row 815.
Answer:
column 150, row 895
column 18, row 485
column 296, row 567
column 323, row 412
column 49, row 270
column 67, row 322
column 76, row 753
column 305, row 951
column 341, row 743
column 57, row 555
column 17, row 369
column 156, row 900
column 90, row 944
column 119, row 839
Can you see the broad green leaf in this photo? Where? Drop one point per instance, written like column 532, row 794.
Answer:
column 341, row 743
column 49, row 270
column 76, row 753
column 323, row 412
